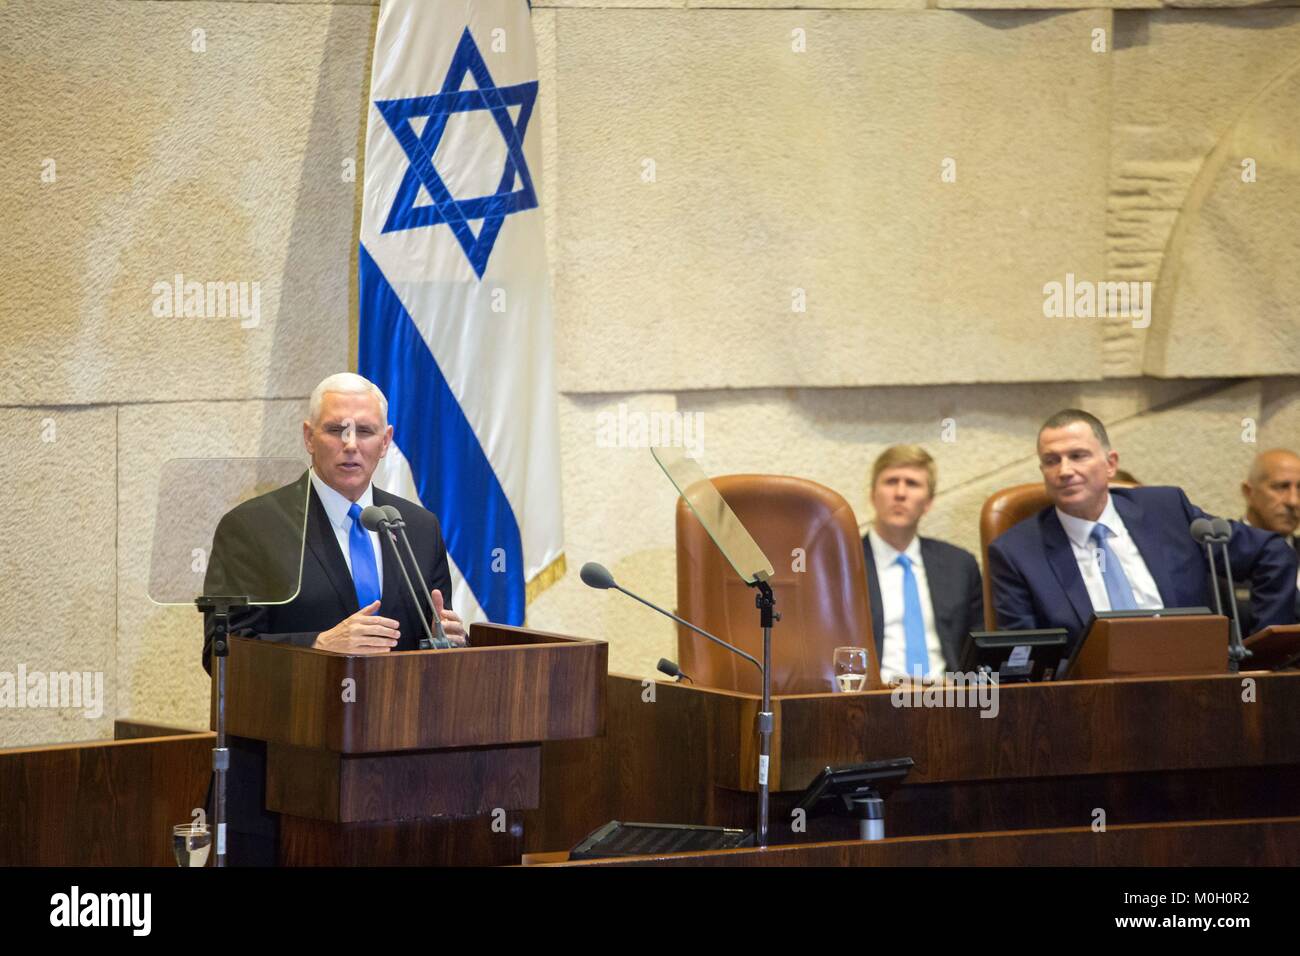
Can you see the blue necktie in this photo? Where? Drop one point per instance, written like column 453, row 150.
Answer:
column 918, row 658
column 1112, row 575
column 365, row 573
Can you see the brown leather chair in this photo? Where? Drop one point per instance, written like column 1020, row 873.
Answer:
column 1003, row 510
column 822, row 607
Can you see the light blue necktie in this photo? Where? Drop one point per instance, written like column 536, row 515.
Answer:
column 365, row 573
column 1112, row 574
column 918, row 658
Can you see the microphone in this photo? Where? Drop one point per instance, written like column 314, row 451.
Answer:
column 395, row 520
column 374, row 519
column 1202, row 532
column 1210, row 531
column 672, row 670
column 1237, row 651
column 597, row 576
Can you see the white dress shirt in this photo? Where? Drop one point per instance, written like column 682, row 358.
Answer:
column 1120, row 542
column 889, row 575
column 336, row 508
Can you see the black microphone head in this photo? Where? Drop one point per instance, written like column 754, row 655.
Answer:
column 372, row 517
column 596, row 576
column 669, row 667
column 392, row 514
column 1222, row 529
column 1201, row 529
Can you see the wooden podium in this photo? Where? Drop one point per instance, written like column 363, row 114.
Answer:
column 1153, row 646
column 412, row 758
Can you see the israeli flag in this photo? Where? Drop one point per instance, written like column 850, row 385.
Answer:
column 455, row 311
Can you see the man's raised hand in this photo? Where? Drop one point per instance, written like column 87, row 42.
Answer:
column 452, row 625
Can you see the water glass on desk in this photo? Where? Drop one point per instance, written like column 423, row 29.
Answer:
column 191, row 843
column 850, row 669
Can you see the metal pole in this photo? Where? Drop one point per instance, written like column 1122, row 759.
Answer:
column 220, row 753
column 765, row 600
column 765, row 722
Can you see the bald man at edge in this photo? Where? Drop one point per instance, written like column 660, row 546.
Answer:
column 1272, row 493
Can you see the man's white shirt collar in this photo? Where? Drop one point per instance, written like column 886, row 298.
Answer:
column 1079, row 530
column 336, row 504
column 885, row 553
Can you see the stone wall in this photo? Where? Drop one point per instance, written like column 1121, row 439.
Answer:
column 821, row 231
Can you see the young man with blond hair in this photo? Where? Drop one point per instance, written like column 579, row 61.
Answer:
column 926, row 594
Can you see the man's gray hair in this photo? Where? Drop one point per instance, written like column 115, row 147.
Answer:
column 349, row 383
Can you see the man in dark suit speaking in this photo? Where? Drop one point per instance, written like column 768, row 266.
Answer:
column 352, row 598
column 926, row 594
column 1098, row 548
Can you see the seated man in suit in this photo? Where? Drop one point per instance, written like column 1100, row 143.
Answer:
column 926, row 594
column 1098, row 548
column 351, row 599
column 1272, row 493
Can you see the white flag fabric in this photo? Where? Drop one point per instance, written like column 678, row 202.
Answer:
column 455, row 310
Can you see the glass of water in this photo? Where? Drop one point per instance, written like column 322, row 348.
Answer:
column 850, row 669
column 191, row 843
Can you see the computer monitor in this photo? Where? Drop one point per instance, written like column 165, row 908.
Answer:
column 835, row 789
column 1017, row 656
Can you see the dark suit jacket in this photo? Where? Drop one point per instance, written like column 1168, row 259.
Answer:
column 258, row 542
column 1036, row 581
column 956, row 594
column 1246, row 611
column 255, row 551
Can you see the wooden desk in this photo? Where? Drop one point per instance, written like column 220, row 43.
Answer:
column 1186, row 750
column 101, row 803
column 1138, row 750
column 1267, row 842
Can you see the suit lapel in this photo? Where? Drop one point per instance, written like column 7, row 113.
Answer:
column 877, row 607
column 949, row 603
column 932, row 573
column 1060, row 555
column 1146, row 538
column 325, row 547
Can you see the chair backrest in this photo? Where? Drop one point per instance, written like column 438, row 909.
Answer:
column 1003, row 510
column 810, row 535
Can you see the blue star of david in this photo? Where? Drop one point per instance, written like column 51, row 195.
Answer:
column 457, row 213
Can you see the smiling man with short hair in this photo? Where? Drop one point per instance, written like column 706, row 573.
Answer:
column 1097, row 548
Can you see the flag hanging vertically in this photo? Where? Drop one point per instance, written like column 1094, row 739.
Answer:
column 455, row 310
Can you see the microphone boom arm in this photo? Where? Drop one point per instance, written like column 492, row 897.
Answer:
column 688, row 624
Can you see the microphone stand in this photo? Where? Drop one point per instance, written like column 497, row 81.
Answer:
column 400, row 524
column 220, row 608
column 1214, row 576
column 426, row 642
column 765, row 601
column 1236, row 650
